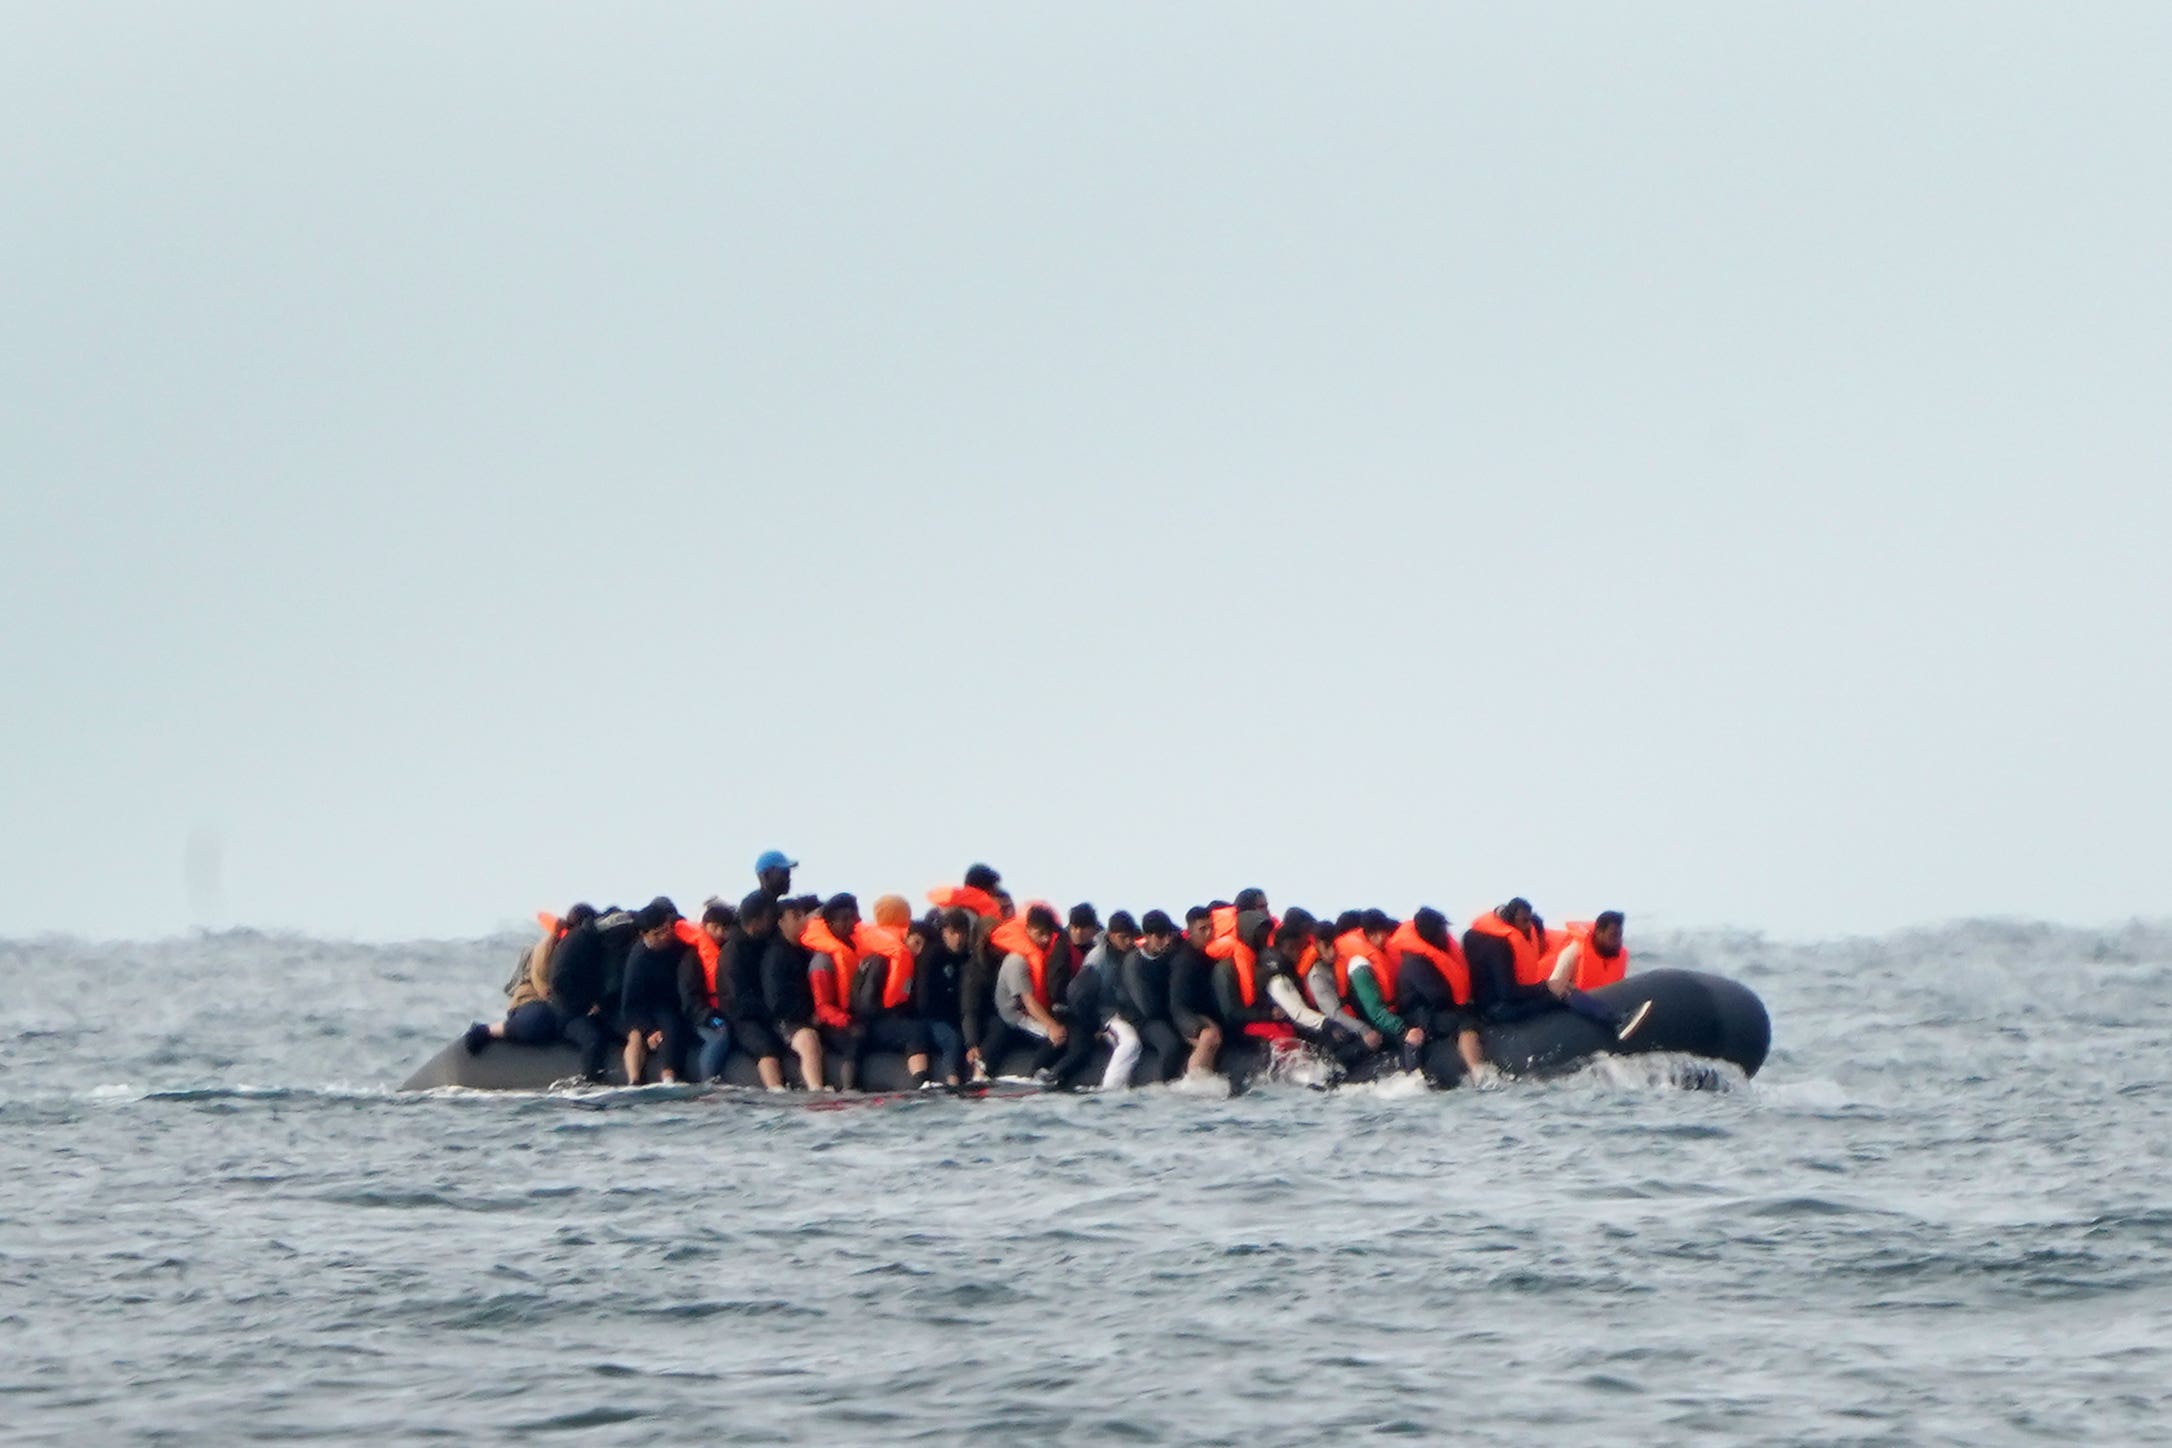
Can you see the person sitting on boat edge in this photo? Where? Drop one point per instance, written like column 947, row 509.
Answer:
column 746, row 1012
column 785, row 988
column 1142, row 994
column 1193, row 1011
column 1428, row 982
column 882, row 1003
column 1091, row 1007
column 1505, row 948
column 651, row 1014
column 1023, row 1004
column 1583, row 958
column 939, row 987
column 529, row 1018
column 704, row 987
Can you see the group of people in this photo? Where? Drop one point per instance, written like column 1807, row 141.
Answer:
column 960, row 988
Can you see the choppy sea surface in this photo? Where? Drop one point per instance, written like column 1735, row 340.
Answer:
column 1943, row 1214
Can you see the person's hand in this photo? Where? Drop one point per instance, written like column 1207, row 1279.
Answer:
column 656, row 1040
column 1280, row 1015
column 1414, row 1037
column 1560, row 989
column 1371, row 1038
column 1057, row 1035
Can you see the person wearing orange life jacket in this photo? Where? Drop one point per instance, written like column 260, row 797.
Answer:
column 704, row 987
column 1334, row 945
column 832, row 969
column 883, row 1001
column 1288, row 965
column 980, row 893
column 1432, row 986
column 529, row 1018
column 1583, row 958
column 1506, row 949
column 1241, row 985
column 1195, row 1011
column 1024, row 1003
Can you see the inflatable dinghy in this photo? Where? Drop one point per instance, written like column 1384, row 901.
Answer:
column 1705, row 1016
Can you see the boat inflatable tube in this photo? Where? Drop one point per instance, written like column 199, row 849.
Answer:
column 1705, row 1016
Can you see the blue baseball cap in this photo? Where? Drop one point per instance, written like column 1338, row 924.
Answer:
column 774, row 860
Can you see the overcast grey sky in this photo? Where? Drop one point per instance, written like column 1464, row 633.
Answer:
column 1706, row 459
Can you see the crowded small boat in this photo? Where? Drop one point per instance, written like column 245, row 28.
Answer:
column 794, row 991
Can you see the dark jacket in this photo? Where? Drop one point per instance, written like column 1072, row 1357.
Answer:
column 785, row 989
column 939, row 982
column 1191, row 982
column 650, row 991
column 1493, row 973
column 588, row 965
column 976, row 994
column 1142, row 986
column 739, row 976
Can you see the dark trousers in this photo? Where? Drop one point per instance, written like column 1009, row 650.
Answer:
column 588, row 1038
column 997, row 1038
column 1169, row 1054
column 949, row 1049
column 534, row 1024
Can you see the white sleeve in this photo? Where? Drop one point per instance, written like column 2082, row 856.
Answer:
column 1284, row 992
column 1565, row 965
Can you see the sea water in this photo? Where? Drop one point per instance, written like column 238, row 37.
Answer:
column 1942, row 1214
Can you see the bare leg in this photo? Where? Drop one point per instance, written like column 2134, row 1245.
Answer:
column 1205, row 1049
column 771, row 1070
column 1467, row 1047
column 637, row 1054
column 809, row 1047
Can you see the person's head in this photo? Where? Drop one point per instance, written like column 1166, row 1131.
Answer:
column 957, row 930
column 1292, row 936
column 758, row 913
column 1516, row 912
column 1324, row 932
column 1085, row 925
column 1348, row 921
column 982, row 877
column 1253, row 928
column 654, row 923
column 1040, row 926
column 892, row 912
column 1123, row 932
column 1252, row 898
column 1006, row 907
column 577, row 915
column 841, row 912
column 1431, row 927
column 792, row 914
column 1377, row 925
column 1606, row 933
column 717, row 921
column 1157, row 932
column 1199, row 924
column 774, row 871
column 917, row 934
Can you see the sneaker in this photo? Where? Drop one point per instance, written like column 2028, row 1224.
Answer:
column 478, row 1036
column 1046, row 1076
column 1636, row 1019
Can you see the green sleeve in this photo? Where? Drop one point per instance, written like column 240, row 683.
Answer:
column 1372, row 1007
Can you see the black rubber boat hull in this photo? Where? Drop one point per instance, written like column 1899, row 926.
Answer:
column 1693, row 1014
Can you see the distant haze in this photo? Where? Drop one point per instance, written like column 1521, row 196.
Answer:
column 1705, row 459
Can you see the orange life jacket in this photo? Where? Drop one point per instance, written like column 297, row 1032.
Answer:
column 552, row 925
column 1246, row 961
column 897, row 986
column 1012, row 939
column 1592, row 969
column 1223, row 944
column 966, row 897
column 1528, row 947
column 1348, row 947
column 832, row 988
column 1450, row 962
column 707, row 949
